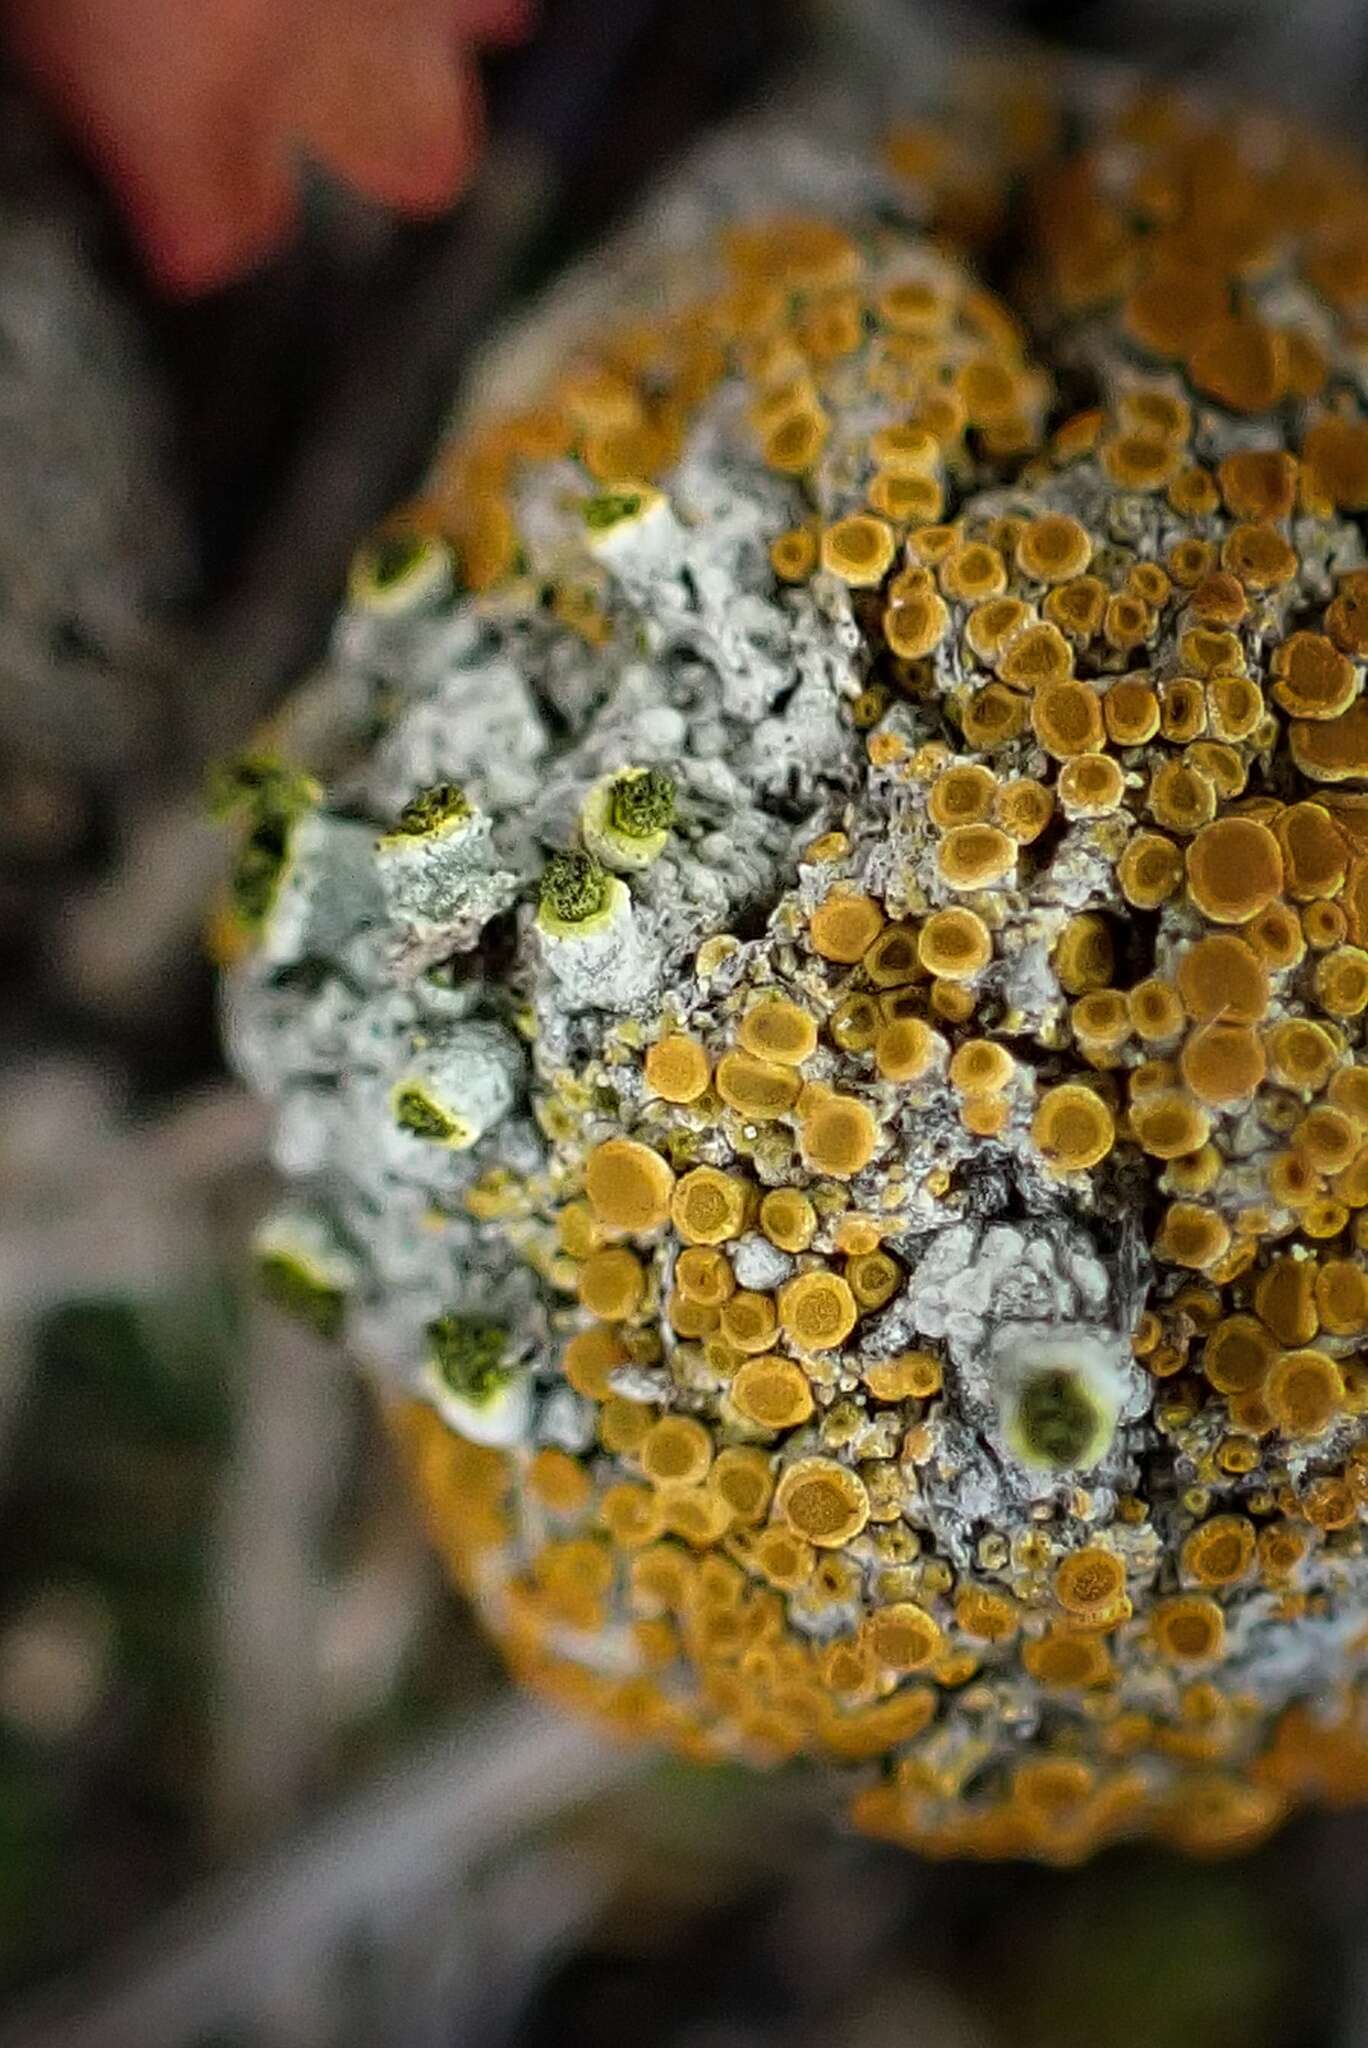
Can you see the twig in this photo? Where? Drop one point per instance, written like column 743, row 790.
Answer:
column 271, row 1723
column 236, row 1947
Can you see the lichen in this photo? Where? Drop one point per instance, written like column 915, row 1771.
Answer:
column 611, row 508
column 264, row 799
column 468, row 1352
column 642, row 803
column 291, row 1286
column 432, row 810
column 416, row 1111
column 898, row 1295
column 574, row 889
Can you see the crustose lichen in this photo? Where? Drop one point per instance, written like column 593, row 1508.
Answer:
column 894, row 1019
column 575, row 890
column 432, row 810
column 1057, row 1422
column 468, row 1352
column 642, row 803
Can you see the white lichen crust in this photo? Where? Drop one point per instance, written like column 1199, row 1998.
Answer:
column 821, row 1040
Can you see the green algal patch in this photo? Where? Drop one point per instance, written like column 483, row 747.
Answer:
column 1058, row 1422
column 258, row 786
column 610, row 508
column 419, row 1113
column 393, row 557
column 399, row 567
column 265, row 798
column 642, row 803
column 468, row 1354
column 574, row 888
column 257, row 870
column 293, row 1286
column 431, row 811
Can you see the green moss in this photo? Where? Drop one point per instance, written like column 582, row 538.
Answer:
column 610, row 508
column 574, row 888
column 642, row 803
column 468, row 1352
column 1058, row 1422
column 416, row 1111
column 444, row 804
column 300, row 1292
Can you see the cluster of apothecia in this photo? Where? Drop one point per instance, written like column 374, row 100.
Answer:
column 819, row 1032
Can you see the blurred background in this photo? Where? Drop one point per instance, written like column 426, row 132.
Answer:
column 261, row 1784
